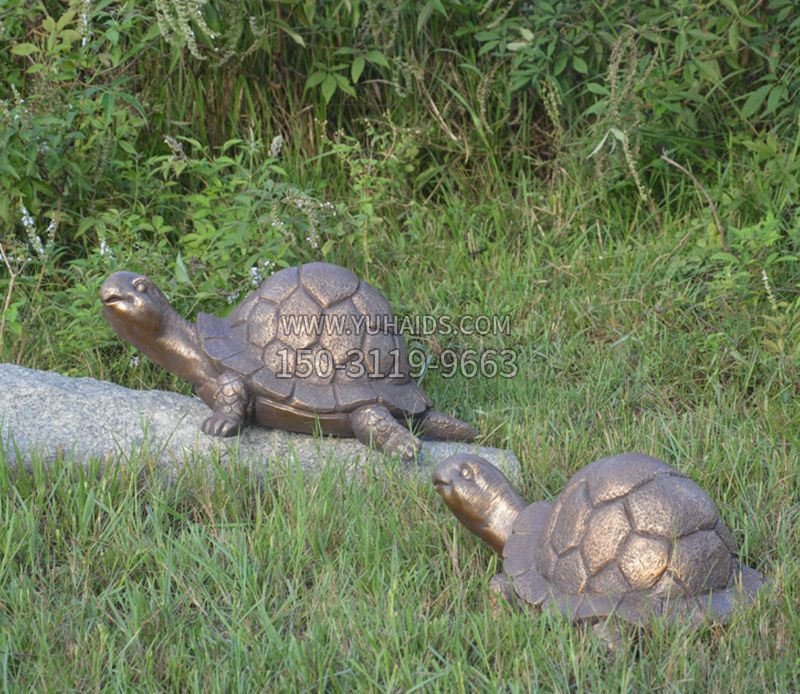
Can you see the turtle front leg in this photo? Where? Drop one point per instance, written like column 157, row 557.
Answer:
column 501, row 590
column 230, row 396
column 501, row 587
column 374, row 424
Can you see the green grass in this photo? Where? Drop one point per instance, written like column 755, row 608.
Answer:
column 118, row 581
column 456, row 193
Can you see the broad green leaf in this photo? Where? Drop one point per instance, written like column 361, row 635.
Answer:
column 680, row 46
column 24, row 49
column 596, row 108
column 291, row 32
column 230, row 143
column 49, row 25
column 344, row 85
column 488, row 46
column 710, row 69
column 329, row 85
column 579, row 65
column 315, row 78
column 377, row 58
column 84, row 225
column 755, row 100
column 65, row 19
column 69, row 35
column 152, row 33
column 596, row 88
column 310, row 9
column 733, row 36
column 181, row 275
column 776, row 97
column 519, row 81
column 357, row 68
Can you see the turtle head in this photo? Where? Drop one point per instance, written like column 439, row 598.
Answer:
column 480, row 496
column 134, row 307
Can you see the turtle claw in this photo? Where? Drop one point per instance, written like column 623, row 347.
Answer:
column 404, row 445
column 375, row 425
column 220, row 424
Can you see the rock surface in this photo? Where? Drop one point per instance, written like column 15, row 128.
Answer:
column 45, row 414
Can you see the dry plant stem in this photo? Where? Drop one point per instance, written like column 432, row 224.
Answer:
column 11, row 279
column 721, row 229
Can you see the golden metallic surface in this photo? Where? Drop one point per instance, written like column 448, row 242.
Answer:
column 480, row 496
column 628, row 535
column 314, row 348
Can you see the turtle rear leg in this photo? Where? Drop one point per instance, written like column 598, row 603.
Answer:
column 374, row 424
column 230, row 406
column 437, row 425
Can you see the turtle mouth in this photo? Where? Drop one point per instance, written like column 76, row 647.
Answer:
column 110, row 297
column 442, row 485
column 111, row 300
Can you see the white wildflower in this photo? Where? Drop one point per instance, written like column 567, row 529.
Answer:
column 105, row 250
column 29, row 224
column 256, row 278
column 85, row 32
column 275, row 146
column 176, row 147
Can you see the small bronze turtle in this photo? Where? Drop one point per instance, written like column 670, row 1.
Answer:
column 313, row 346
column 629, row 535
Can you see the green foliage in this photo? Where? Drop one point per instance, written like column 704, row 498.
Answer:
column 141, row 130
column 470, row 158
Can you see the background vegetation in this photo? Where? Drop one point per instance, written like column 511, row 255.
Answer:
column 618, row 177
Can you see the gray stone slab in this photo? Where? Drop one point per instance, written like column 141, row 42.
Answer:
column 47, row 415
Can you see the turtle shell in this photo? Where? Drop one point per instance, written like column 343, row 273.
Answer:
column 629, row 535
column 342, row 329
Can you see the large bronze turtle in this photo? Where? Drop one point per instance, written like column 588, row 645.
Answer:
column 313, row 346
column 629, row 535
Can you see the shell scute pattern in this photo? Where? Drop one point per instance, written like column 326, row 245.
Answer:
column 328, row 284
column 262, row 323
column 268, row 383
column 630, row 530
column 606, row 483
column 343, row 344
column 339, row 318
column 606, row 531
column 299, row 315
column 571, row 513
column 671, row 507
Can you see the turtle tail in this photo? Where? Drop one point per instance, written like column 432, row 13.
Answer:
column 437, row 425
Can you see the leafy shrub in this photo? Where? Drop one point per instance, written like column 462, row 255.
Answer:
column 143, row 129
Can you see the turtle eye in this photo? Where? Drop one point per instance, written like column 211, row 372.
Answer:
column 140, row 285
column 466, row 472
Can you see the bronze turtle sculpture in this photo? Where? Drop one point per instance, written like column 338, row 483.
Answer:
column 628, row 535
column 313, row 346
